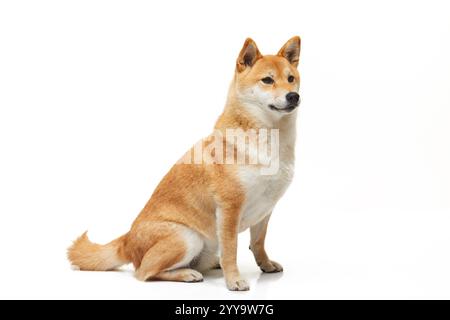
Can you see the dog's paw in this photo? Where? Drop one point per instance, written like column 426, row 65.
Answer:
column 193, row 276
column 238, row 285
column 271, row 267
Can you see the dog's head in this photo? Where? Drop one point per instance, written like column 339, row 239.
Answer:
column 269, row 82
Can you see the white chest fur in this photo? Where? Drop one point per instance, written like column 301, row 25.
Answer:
column 262, row 191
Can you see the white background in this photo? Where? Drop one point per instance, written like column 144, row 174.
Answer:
column 99, row 98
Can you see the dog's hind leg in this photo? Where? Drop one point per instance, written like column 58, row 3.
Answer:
column 168, row 258
column 208, row 258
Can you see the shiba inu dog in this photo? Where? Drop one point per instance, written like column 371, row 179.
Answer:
column 199, row 207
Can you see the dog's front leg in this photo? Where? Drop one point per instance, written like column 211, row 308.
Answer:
column 257, row 239
column 228, row 225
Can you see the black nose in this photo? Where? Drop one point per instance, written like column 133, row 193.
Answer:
column 292, row 97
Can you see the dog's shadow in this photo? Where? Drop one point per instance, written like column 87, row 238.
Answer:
column 265, row 277
column 262, row 278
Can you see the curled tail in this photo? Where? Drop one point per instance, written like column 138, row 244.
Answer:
column 87, row 255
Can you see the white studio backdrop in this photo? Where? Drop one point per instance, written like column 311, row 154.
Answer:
column 99, row 98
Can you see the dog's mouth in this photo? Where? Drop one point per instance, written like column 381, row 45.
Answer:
column 287, row 109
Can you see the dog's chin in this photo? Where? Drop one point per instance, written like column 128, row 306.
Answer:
column 287, row 109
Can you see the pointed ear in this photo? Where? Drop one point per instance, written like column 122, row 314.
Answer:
column 248, row 55
column 291, row 50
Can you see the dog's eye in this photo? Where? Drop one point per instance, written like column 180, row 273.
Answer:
column 267, row 80
column 291, row 78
